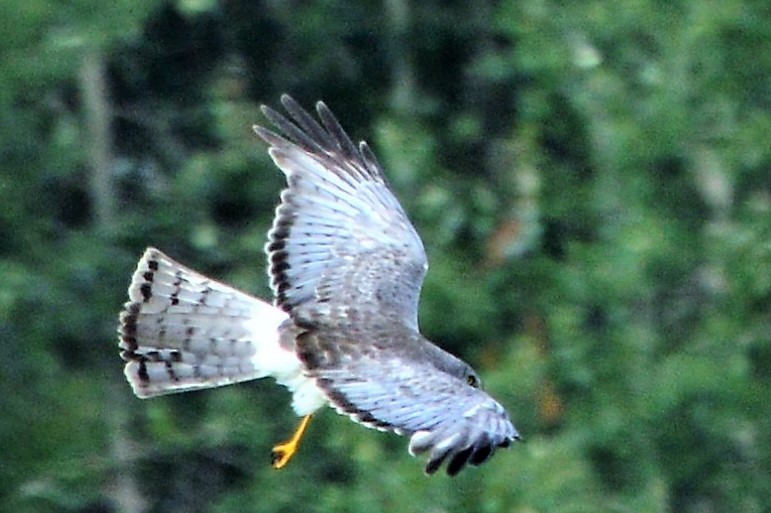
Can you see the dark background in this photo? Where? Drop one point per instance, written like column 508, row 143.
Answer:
column 592, row 181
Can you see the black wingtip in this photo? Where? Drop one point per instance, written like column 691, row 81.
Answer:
column 434, row 464
column 266, row 109
column 287, row 101
column 322, row 107
column 458, row 461
column 269, row 137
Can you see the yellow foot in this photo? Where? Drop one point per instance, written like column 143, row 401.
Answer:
column 284, row 452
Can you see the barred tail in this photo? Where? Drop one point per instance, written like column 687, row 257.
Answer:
column 182, row 331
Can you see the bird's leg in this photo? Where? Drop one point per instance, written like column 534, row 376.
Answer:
column 283, row 452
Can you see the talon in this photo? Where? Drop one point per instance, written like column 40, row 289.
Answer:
column 279, row 457
column 282, row 453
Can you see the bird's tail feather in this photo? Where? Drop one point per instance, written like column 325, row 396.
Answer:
column 182, row 331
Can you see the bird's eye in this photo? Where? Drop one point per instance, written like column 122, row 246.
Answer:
column 472, row 380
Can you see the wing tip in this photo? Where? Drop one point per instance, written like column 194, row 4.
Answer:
column 456, row 449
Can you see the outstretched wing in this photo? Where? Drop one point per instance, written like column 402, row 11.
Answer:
column 340, row 237
column 387, row 389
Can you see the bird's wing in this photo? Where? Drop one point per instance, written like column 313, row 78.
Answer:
column 391, row 389
column 340, row 237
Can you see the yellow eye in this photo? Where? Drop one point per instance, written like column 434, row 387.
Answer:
column 472, row 380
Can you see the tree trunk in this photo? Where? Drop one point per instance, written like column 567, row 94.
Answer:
column 98, row 138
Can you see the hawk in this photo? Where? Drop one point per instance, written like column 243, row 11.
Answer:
column 346, row 267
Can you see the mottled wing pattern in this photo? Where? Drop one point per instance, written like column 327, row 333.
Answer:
column 388, row 389
column 340, row 237
column 183, row 331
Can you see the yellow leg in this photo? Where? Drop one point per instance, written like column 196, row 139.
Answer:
column 283, row 452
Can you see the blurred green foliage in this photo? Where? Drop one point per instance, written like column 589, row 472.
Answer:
column 592, row 181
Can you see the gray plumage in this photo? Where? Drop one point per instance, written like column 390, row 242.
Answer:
column 346, row 268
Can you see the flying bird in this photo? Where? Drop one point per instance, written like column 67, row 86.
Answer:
column 346, row 267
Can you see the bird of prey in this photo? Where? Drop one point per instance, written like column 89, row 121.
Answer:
column 346, row 267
